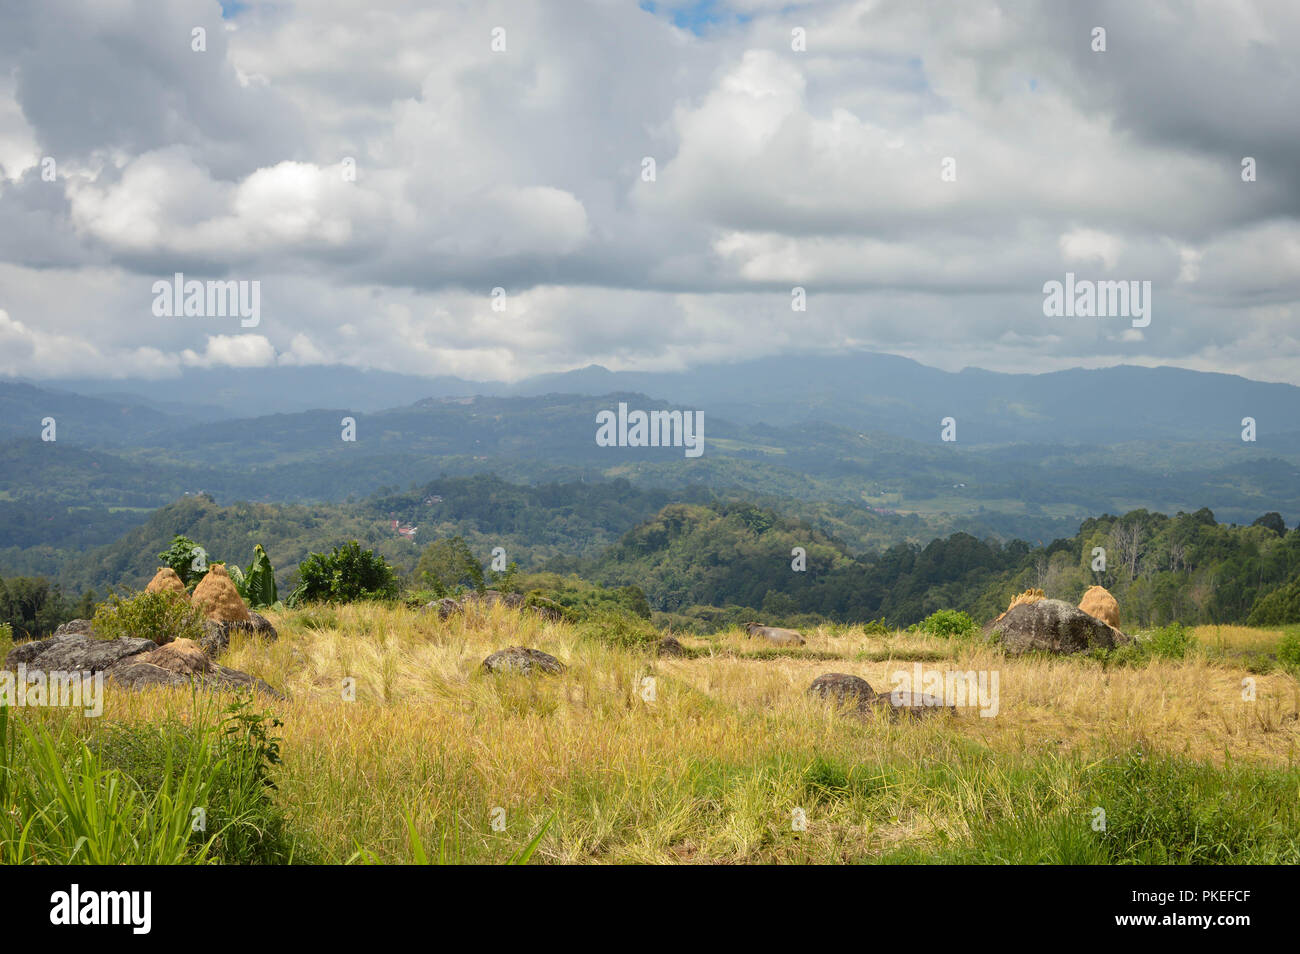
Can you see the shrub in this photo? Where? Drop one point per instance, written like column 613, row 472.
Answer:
column 1288, row 650
column 949, row 623
column 620, row 630
column 187, row 558
column 1174, row 641
column 345, row 575
column 161, row 616
column 536, row 600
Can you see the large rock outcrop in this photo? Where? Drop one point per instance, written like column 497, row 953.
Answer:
column 130, row 662
column 1053, row 626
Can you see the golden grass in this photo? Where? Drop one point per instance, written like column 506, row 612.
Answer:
column 711, row 769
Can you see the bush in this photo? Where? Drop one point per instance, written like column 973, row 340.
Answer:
column 161, row 616
column 345, row 575
column 1288, row 650
column 187, row 558
column 949, row 623
column 1174, row 641
column 620, row 630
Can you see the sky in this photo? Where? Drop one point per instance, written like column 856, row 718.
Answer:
column 920, row 170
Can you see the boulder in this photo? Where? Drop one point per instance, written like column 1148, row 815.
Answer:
column 445, row 607
column 916, row 705
column 492, row 597
column 776, row 635
column 75, row 652
column 136, row 673
column 166, row 580
column 216, row 634
column 844, row 689
column 521, row 659
column 82, row 627
column 670, row 646
column 217, row 596
column 1032, row 595
column 856, row 692
column 133, row 663
column 1054, row 626
column 1099, row 603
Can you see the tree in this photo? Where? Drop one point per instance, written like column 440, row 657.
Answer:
column 446, row 565
column 187, row 558
column 345, row 575
column 1272, row 521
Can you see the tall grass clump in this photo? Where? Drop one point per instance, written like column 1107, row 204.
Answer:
column 161, row 793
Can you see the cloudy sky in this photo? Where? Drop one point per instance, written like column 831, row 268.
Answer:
column 524, row 168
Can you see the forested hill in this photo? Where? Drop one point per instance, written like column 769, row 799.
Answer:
column 691, row 560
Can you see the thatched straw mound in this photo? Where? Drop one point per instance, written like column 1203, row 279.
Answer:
column 217, row 597
column 1099, row 603
column 166, row 580
column 1032, row 595
column 180, row 655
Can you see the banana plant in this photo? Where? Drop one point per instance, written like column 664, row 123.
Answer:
column 257, row 584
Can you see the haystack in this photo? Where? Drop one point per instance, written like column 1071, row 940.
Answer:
column 217, row 597
column 1099, row 603
column 1032, row 595
column 166, row 580
column 180, row 655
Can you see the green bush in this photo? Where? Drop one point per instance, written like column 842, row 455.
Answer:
column 949, row 623
column 187, row 558
column 1288, row 650
column 345, row 575
column 620, row 630
column 161, row 616
column 1174, row 641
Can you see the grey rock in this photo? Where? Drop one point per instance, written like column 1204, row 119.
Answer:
column 133, row 673
column 445, row 607
column 216, row 635
column 75, row 652
column 844, row 689
column 75, row 627
column 669, row 646
column 916, row 705
column 521, row 659
column 1053, row 626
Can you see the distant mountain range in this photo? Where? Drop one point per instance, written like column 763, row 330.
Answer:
column 850, row 442
column 863, row 390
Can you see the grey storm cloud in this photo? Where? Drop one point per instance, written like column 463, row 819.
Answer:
column 523, row 169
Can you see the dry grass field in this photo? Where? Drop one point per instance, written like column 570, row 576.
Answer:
column 724, row 758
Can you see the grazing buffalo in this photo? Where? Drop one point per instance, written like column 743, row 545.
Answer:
column 780, row 637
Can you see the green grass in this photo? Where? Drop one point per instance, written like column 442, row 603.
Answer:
column 156, row 793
